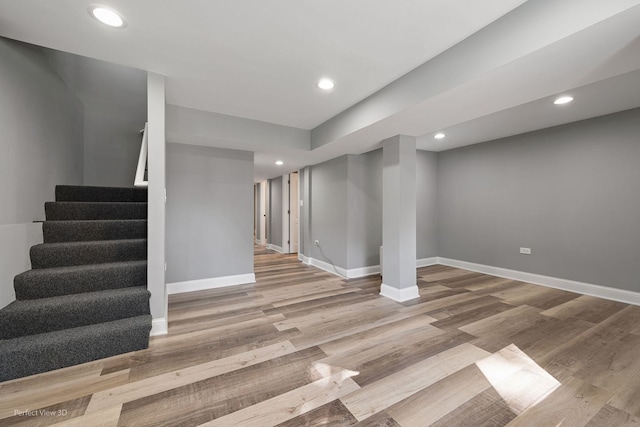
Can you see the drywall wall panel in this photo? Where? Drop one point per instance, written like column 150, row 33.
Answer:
column 569, row 193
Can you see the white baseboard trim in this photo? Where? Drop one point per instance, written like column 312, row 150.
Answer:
column 338, row 271
column 209, row 283
column 613, row 294
column 159, row 327
column 354, row 273
column 399, row 295
column 275, row 248
column 426, row 262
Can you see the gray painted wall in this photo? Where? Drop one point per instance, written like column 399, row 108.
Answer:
column 426, row 204
column 275, row 212
column 115, row 109
column 41, row 144
column 364, row 204
column 112, row 144
column 41, row 122
column 209, row 212
column 569, row 193
column 329, row 212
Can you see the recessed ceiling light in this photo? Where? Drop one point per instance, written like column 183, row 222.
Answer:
column 326, row 84
column 563, row 100
column 107, row 16
column 279, row 163
column 439, row 135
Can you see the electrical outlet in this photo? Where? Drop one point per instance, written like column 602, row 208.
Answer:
column 525, row 251
column 316, row 242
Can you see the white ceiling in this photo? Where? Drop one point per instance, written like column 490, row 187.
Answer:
column 501, row 62
column 254, row 58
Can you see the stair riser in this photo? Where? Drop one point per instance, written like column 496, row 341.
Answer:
column 63, row 315
column 76, row 211
column 26, row 356
column 70, row 193
column 54, row 255
column 76, row 231
column 45, row 284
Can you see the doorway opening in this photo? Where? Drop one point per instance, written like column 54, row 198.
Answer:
column 293, row 239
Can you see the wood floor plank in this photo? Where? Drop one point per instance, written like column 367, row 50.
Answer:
column 407, row 354
column 362, row 311
column 574, row 402
column 486, row 409
column 517, row 378
column 592, row 351
column 304, row 347
column 381, row 394
column 49, row 415
column 464, row 318
column 381, row 419
column 609, row 416
column 289, row 405
column 372, row 337
column 494, row 332
column 537, row 296
column 215, row 397
column 432, row 403
column 61, row 392
column 332, row 414
column 109, row 417
column 139, row 389
column 587, row 308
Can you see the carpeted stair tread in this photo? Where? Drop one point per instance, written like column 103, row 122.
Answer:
column 86, row 297
column 57, row 281
column 24, row 356
column 47, row 255
column 38, row 316
column 74, row 231
column 72, row 211
column 76, row 193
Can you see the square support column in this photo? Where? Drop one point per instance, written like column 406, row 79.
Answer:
column 399, row 218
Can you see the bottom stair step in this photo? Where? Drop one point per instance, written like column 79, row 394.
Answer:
column 38, row 316
column 24, row 356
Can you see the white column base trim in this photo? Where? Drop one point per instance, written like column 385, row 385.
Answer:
column 303, row 258
column 613, row 294
column 275, row 248
column 399, row 295
column 159, row 327
column 209, row 283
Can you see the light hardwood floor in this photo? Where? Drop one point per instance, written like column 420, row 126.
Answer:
column 302, row 347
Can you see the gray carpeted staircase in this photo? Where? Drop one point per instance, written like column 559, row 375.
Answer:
column 86, row 296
